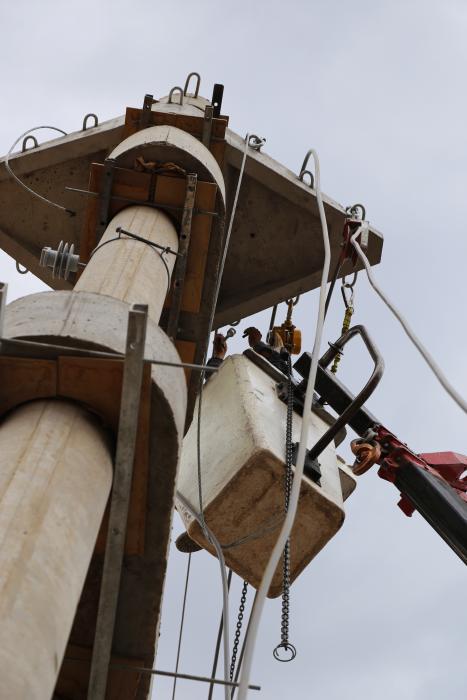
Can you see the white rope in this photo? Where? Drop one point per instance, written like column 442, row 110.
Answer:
column 307, row 417
column 225, row 587
column 435, row 368
column 20, row 182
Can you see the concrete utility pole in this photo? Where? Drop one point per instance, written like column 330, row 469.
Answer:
column 81, row 579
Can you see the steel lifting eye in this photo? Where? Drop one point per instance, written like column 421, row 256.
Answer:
column 187, row 82
column 180, row 91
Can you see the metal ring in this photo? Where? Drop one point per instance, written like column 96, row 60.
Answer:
column 23, row 271
column 187, row 82
column 294, row 302
column 347, row 301
column 304, row 171
column 176, row 89
column 24, row 147
column 350, row 285
column 256, row 142
column 354, row 210
column 86, row 118
column 310, row 175
column 287, row 647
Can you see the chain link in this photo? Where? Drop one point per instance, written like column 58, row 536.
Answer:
column 238, row 631
column 288, row 478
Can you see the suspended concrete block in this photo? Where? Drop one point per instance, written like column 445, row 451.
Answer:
column 243, row 429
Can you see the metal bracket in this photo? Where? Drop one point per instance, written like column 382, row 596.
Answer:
column 207, row 125
column 312, row 466
column 105, row 197
column 120, row 499
column 146, row 112
column 3, row 294
column 180, row 267
column 216, row 99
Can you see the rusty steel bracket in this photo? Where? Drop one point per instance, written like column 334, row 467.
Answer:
column 207, row 125
column 105, row 197
column 180, row 266
column 216, row 99
column 3, row 295
column 120, row 500
column 146, row 111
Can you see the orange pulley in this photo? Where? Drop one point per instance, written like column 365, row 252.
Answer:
column 288, row 333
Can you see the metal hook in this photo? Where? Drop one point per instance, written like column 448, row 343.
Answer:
column 23, row 271
column 24, row 147
column 350, row 285
column 348, row 301
column 310, row 175
column 176, row 89
column 287, row 646
column 187, row 82
column 230, row 333
column 304, row 171
column 91, row 115
column 256, row 142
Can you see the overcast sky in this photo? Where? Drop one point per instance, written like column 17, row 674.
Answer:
column 378, row 88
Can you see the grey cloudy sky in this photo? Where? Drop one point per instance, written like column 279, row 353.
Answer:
column 378, row 88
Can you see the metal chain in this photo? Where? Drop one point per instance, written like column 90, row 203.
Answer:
column 238, row 631
column 288, row 479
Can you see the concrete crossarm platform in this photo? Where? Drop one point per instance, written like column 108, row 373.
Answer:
column 276, row 248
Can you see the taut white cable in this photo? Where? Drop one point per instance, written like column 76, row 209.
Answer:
column 437, row 371
column 307, row 417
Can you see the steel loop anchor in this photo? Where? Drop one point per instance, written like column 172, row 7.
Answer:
column 288, row 647
column 187, row 82
column 304, row 171
column 178, row 89
column 32, row 138
column 93, row 116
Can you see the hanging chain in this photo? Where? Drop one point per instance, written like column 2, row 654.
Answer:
column 238, row 631
column 284, row 643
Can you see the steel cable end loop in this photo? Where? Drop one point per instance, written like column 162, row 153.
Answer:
column 288, row 648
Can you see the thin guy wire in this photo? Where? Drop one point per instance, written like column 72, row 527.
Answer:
column 21, row 183
column 225, row 589
column 435, row 368
column 139, row 239
column 181, row 624
column 218, row 642
column 211, row 319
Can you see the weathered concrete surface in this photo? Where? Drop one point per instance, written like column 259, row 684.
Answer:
column 55, row 478
column 131, row 270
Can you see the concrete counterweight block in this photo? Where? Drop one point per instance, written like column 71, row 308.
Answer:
column 243, row 430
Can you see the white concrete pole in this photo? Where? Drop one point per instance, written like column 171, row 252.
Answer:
column 128, row 269
column 55, row 479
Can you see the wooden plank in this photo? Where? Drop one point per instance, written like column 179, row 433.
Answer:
column 189, row 123
column 23, row 379
column 73, row 680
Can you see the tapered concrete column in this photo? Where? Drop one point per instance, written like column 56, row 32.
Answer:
column 55, row 479
column 130, row 270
